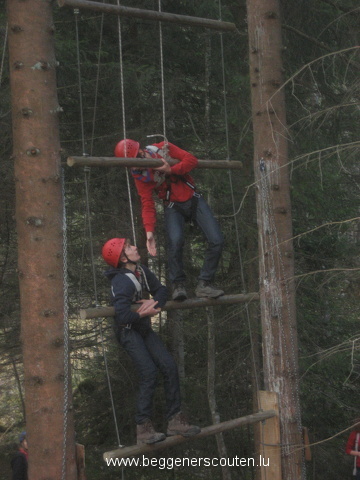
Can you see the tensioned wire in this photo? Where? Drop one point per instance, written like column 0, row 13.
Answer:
column 233, row 203
column 87, row 203
column 124, row 121
column 3, row 54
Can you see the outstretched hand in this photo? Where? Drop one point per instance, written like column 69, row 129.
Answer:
column 151, row 243
column 148, row 308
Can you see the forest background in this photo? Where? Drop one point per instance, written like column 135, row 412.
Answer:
column 321, row 68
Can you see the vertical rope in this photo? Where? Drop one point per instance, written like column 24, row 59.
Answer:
column 162, row 74
column 97, row 84
column 88, row 212
column 124, row 123
column 233, row 203
column 76, row 13
column 3, row 54
column 66, row 333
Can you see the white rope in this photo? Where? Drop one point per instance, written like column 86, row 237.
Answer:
column 162, row 76
column 66, row 334
column 76, row 13
column 234, row 208
column 124, row 123
column 3, row 54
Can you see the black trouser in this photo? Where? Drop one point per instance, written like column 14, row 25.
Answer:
column 149, row 356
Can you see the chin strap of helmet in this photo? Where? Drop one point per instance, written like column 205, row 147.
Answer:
column 128, row 259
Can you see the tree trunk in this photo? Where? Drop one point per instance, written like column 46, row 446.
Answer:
column 276, row 265
column 39, row 205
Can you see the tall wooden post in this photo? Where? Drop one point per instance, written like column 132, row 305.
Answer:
column 276, row 258
column 39, row 219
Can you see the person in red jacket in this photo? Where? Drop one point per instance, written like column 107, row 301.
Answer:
column 174, row 185
column 353, row 448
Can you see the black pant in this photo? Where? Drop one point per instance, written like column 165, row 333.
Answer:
column 149, row 356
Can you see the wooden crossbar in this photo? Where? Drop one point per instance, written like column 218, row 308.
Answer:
column 149, row 14
column 178, row 439
column 145, row 162
column 176, row 305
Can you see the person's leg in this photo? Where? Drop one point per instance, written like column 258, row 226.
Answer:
column 211, row 230
column 134, row 345
column 168, row 368
column 174, row 224
column 178, row 423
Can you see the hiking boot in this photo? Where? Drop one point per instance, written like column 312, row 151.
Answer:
column 179, row 292
column 145, row 433
column 204, row 289
column 179, row 425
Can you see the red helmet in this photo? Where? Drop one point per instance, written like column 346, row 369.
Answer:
column 112, row 249
column 127, row 148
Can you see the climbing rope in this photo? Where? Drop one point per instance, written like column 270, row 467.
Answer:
column 88, row 210
column 241, row 266
column 3, row 54
column 162, row 76
column 66, row 334
column 124, row 122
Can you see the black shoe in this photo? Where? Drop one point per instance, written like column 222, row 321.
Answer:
column 179, row 292
column 205, row 290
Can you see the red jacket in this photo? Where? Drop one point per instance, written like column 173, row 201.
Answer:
column 350, row 445
column 149, row 180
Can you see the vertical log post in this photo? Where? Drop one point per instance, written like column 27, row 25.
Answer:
column 39, row 221
column 270, row 450
column 276, row 256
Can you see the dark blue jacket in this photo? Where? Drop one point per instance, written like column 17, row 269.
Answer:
column 123, row 292
column 19, row 466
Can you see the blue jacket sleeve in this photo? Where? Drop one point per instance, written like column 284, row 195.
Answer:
column 122, row 290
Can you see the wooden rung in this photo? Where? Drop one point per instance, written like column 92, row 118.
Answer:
column 176, row 305
column 177, row 439
column 149, row 14
column 144, row 162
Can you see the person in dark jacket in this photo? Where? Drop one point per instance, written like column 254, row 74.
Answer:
column 129, row 281
column 19, row 463
column 174, row 185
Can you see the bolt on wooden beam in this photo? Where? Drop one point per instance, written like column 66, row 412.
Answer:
column 176, row 305
column 145, row 162
column 149, row 14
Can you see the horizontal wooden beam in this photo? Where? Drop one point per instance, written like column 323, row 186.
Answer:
column 176, row 305
column 144, row 162
column 177, row 439
column 149, row 15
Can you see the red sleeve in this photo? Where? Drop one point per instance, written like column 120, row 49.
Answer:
column 187, row 160
column 148, row 212
column 350, row 444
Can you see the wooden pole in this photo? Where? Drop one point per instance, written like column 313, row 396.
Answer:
column 40, row 235
column 177, row 439
column 270, row 450
column 144, row 162
column 175, row 305
column 149, row 15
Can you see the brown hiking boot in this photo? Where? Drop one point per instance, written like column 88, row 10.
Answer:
column 205, row 290
column 179, row 425
column 179, row 292
column 145, row 433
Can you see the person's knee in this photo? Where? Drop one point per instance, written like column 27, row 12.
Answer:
column 149, row 374
column 175, row 242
